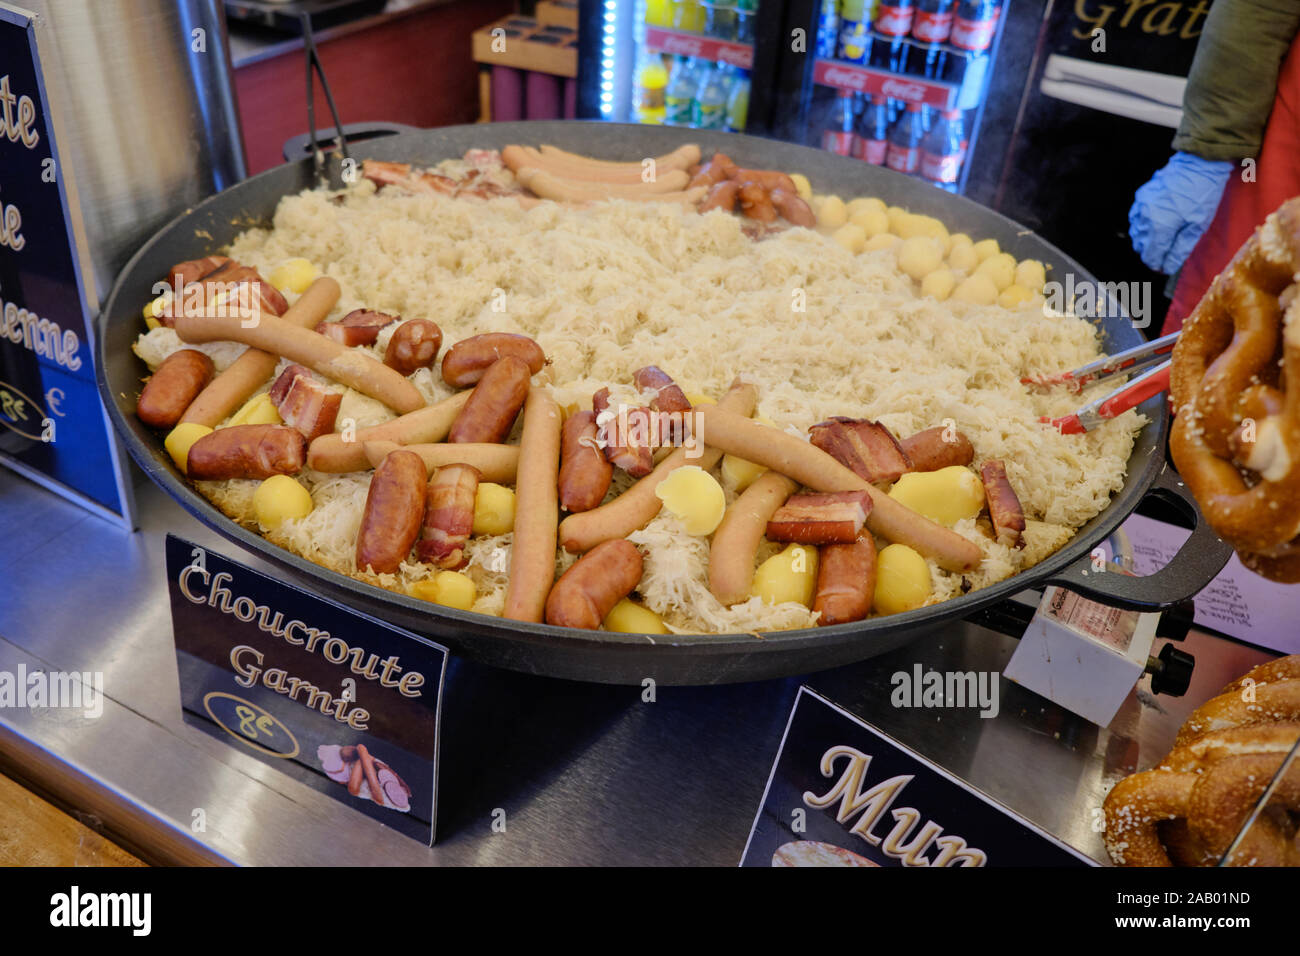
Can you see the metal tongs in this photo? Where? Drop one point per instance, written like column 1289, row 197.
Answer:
column 1149, row 359
column 314, row 64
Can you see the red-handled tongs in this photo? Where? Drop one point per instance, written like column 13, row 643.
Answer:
column 1148, row 359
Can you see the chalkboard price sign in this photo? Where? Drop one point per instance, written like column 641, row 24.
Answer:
column 53, row 427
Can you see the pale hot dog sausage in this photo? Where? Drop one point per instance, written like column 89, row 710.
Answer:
column 467, row 360
column 246, row 451
column 244, row 376
column 537, row 512
column 588, row 591
column 633, row 509
column 393, row 514
column 330, row 453
column 780, row 451
column 173, row 387
column 496, row 463
column 306, row 347
column 494, row 404
column 735, row 543
column 846, row 581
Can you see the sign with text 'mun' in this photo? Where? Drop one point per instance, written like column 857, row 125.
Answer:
column 341, row 701
column 841, row 793
column 53, row 427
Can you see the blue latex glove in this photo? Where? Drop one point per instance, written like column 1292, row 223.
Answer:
column 1173, row 209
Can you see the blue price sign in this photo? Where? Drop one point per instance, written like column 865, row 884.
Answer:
column 343, row 702
column 53, row 427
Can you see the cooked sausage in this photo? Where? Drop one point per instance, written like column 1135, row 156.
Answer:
column 721, row 196
column 247, row 451
column 930, row 451
column 846, row 581
column 588, row 591
column 680, row 158
column 1005, row 512
column 755, row 202
column 494, row 403
column 173, row 387
column 497, row 463
column 769, row 179
column 668, row 394
column 567, row 187
column 249, row 372
column 620, row 434
column 448, row 516
column 273, row 334
column 537, row 512
column 331, row 453
column 725, row 431
column 414, row 345
column 585, row 474
column 792, row 208
column 393, row 514
column 467, row 360
column 735, row 543
column 633, row 509
column 717, row 169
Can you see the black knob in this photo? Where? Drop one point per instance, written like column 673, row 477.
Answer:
column 1171, row 672
column 1177, row 620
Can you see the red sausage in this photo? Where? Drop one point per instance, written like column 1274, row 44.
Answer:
column 930, row 451
column 767, row 178
column 178, row 381
column 414, row 345
column 588, row 591
column 792, row 208
column 585, row 473
column 492, row 406
column 846, row 581
column 721, row 196
column 669, row 396
column 467, row 361
column 247, row 451
column 394, row 512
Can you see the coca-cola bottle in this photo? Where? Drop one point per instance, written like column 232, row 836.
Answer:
column 974, row 24
column 930, row 28
column 837, row 132
column 892, row 25
column 871, row 138
column 904, row 152
column 942, row 151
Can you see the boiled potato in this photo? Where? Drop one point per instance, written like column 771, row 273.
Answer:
column 851, row 237
column 699, row 398
column 628, row 617
column 902, row 580
column 154, row 309
column 885, row 240
column 979, row 290
column 1031, row 274
column 788, row 576
column 932, row 227
column 963, row 258
column 1000, row 267
column 959, row 239
column 832, row 213
column 896, row 215
column 293, row 275
column 694, row 496
column 494, row 509
column 738, row 473
column 802, row 186
column 873, row 222
column 279, row 498
column 865, row 204
column 448, row 588
column 258, row 410
column 179, row 440
column 1013, row 296
column 945, row 496
column 939, row 284
column 919, row 256
column 987, row 247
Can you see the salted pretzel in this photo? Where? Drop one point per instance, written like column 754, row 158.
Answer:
column 1235, row 382
column 1188, row 810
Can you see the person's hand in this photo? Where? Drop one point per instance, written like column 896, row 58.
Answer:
column 1172, row 210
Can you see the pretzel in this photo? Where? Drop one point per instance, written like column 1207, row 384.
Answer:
column 1222, row 798
column 1269, row 703
column 1235, row 383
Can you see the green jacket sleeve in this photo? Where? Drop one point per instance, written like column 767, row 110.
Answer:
column 1233, row 80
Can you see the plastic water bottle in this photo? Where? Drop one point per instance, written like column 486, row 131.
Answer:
column 680, row 92
column 738, row 103
column 709, row 110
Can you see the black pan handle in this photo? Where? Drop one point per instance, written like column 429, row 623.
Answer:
column 1188, row 572
column 300, row 146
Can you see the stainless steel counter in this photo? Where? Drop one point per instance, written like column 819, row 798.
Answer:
column 586, row 774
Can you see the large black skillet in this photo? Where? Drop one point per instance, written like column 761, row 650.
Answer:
column 622, row 658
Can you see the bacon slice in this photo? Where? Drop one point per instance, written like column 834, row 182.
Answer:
column 668, row 395
column 1004, row 505
column 627, row 435
column 448, row 516
column 821, row 519
column 358, row 327
column 402, row 175
column 305, row 403
column 866, row 448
